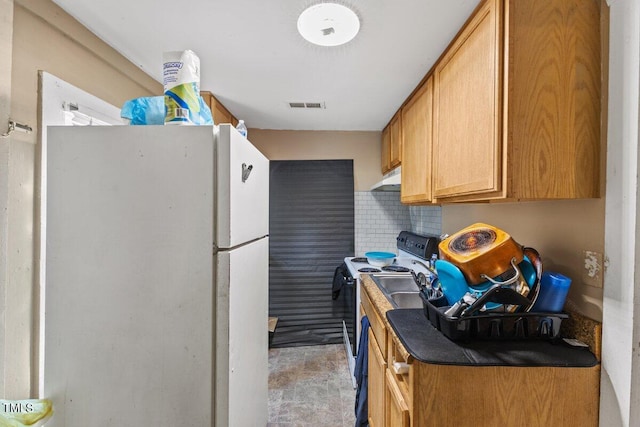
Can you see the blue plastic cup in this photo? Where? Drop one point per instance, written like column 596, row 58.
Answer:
column 553, row 292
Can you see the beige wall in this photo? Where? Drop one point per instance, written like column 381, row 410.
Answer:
column 46, row 38
column 362, row 147
column 43, row 38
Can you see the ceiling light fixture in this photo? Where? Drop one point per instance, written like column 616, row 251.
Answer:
column 328, row 24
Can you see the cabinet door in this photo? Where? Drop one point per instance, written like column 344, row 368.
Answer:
column 397, row 410
column 468, row 109
column 385, row 150
column 395, row 149
column 221, row 114
column 376, row 391
column 218, row 111
column 553, row 103
column 417, row 124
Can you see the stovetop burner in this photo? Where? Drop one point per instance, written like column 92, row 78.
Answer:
column 396, row 269
column 360, row 259
column 368, row 270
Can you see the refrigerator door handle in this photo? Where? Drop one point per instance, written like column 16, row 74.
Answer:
column 246, row 171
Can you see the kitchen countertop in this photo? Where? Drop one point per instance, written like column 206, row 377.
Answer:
column 426, row 344
column 383, row 305
column 417, row 339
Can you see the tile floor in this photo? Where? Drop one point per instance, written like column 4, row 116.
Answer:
column 310, row 386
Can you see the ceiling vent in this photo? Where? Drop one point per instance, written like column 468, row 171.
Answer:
column 307, row 105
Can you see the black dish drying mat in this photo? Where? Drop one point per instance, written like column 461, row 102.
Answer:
column 426, row 344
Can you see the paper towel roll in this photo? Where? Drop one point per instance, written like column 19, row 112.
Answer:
column 181, row 79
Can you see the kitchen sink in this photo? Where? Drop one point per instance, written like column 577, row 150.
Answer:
column 406, row 299
column 401, row 291
column 390, row 284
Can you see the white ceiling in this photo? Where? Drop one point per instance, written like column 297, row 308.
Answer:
column 255, row 62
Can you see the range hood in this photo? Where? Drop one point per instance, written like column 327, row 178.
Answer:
column 390, row 181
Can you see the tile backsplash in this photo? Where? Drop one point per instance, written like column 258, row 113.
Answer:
column 379, row 217
column 426, row 219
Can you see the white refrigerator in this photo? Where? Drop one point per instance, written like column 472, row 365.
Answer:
column 156, row 290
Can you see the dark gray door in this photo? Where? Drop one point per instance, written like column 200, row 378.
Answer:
column 311, row 230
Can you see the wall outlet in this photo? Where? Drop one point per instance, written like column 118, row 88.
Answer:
column 593, row 273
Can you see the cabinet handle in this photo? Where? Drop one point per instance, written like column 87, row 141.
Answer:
column 400, row 368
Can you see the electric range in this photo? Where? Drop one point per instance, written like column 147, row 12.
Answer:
column 414, row 254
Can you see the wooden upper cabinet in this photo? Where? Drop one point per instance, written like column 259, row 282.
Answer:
column 218, row 111
column 517, row 103
column 391, row 144
column 553, row 111
column 395, row 148
column 385, row 150
column 417, row 137
column 467, row 115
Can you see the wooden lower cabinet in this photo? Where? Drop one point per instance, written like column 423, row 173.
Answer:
column 472, row 396
column 404, row 392
column 396, row 408
column 376, row 391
